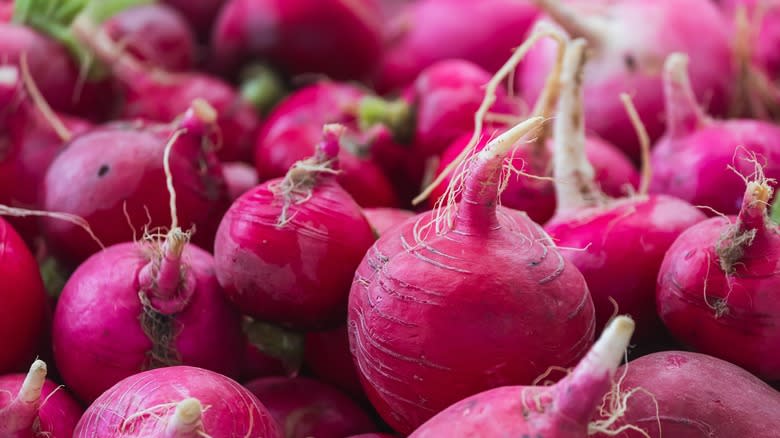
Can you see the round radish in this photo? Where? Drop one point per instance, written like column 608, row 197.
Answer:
column 629, row 41
column 286, row 251
column 180, row 401
column 562, row 410
column 382, row 219
column 32, row 406
column 708, row 150
column 717, row 285
column 327, row 356
column 239, row 178
column 446, row 306
column 617, row 244
column 307, row 408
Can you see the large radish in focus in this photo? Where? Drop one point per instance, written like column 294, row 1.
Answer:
column 463, row 299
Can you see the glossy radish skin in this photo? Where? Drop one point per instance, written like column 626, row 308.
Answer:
column 602, row 234
column 562, row 410
column 23, row 313
column 305, row 408
column 614, row 174
column 287, row 250
column 200, row 14
column 706, row 148
column 33, row 406
column 738, row 404
column 295, row 126
column 327, row 356
column 155, row 34
column 383, row 219
column 239, row 177
column 718, row 284
column 337, row 38
column 629, row 41
column 427, row 31
column 119, row 167
column 180, row 401
column 414, row 295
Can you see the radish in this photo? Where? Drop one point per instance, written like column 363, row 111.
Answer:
column 33, row 406
column 604, row 235
column 717, row 281
column 562, row 410
column 630, row 40
column 295, row 126
column 451, row 303
column 23, row 312
column 427, row 31
column 180, row 401
column 382, row 219
column 679, row 394
column 111, row 175
column 709, row 150
column 327, row 356
column 155, row 34
column 200, row 14
column 286, row 251
column 304, row 408
column 239, row 178
column 337, row 38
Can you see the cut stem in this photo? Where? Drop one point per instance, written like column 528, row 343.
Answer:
column 19, row 416
column 753, row 214
column 683, row 114
column 186, row 421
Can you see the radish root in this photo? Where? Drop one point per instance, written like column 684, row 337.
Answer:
column 644, row 143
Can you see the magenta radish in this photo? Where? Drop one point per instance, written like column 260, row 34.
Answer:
column 295, row 126
column 327, row 356
column 460, row 300
column 427, row 31
column 697, row 158
column 562, row 410
column 33, row 406
column 679, row 394
column 629, row 41
column 338, row 38
column 180, row 401
column 382, row 219
column 286, row 251
column 304, row 407
column 23, row 312
column 603, row 235
column 114, row 174
column 239, row 178
column 200, row 14
column 717, row 283
column 155, row 34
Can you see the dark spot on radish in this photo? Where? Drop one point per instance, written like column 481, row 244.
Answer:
column 630, row 62
column 675, row 361
column 690, row 254
column 103, row 170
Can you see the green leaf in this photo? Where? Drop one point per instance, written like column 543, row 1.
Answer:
column 774, row 214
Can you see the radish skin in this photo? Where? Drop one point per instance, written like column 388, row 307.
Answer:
column 383, row 219
column 327, row 357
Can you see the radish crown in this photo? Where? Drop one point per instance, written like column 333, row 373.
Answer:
column 19, row 416
column 683, row 114
column 186, row 421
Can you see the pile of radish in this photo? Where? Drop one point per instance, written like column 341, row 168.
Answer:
column 389, row 218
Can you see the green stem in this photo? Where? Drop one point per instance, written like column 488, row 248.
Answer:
column 396, row 115
column 102, row 10
column 262, row 88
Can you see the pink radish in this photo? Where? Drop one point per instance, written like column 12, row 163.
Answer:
column 327, row 356
column 427, row 31
column 156, row 34
column 201, row 14
column 679, row 394
column 287, row 250
column 382, row 219
column 617, row 244
column 180, row 401
column 114, row 174
column 630, row 40
column 562, row 410
column 293, row 128
column 709, row 150
column 462, row 299
column 239, row 178
column 32, row 406
column 305, row 408
column 23, row 313
column 337, row 38
column 717, row 283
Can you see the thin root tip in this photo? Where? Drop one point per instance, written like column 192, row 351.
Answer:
column 676, row 64
column 204, row 111
column 622, row 324
column 38, row 367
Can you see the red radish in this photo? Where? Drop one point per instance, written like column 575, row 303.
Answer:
column 201, row 14
column 111, row 176
column 427, row 31
column 293, row 128
column 617, row 244
column 630, row 40
column 338, row 38
column 181, row 401
column 382, row 219
column 257, row 363
column 32, row 406
column 679, row 394
column 239, row 177
column 327, row 356
column 717, row 284
column 286, row 251
column 307, row 408
column 373, row 435
column 6, row 11
column 446, row 306
column 155, row 34
column 562, row 410
column 707, row 149
column 23, row 310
